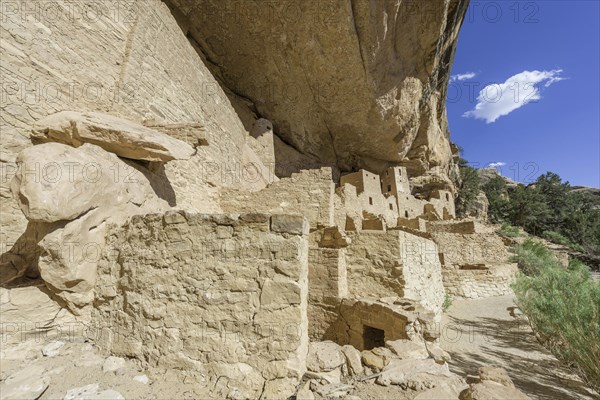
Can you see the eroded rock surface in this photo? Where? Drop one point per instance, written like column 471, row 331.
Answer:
column 352, row 83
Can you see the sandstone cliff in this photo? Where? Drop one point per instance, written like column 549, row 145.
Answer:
column 354, row 84
column 346, row 83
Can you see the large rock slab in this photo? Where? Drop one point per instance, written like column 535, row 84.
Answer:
column 116, row 135
column 494, row 383
column 353, row 360
column 495, row 374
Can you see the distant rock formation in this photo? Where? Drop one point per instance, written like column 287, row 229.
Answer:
column 487, row 174
column 586, row 189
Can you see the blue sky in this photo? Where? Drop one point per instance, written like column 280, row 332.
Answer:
column 541, row 110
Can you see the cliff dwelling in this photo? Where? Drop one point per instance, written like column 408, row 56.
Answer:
column 252, row 206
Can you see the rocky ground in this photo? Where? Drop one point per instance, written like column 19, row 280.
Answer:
column 58, row 370
column 483, row 332
column 404, row 370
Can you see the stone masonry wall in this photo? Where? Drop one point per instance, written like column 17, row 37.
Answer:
column 309, row 193
column 395, row 263
column 327, row 285
column 422, row 271
column 475, row 248
column 492, row 281
column 220, row 299
column 474, row 264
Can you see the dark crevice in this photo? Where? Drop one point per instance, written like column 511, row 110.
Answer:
column 360, row 50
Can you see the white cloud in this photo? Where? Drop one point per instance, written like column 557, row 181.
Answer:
column 462, row 77
column 499, row 99
column 496, row 164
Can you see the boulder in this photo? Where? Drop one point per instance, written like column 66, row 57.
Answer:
column 372, row 360
column 304, row 393
column 415, row 374
column 324, row 356
column 56, row 182
column 52, row 349
column 494, row 384
column 30, row 312
column 333, row 376
column 71, row 209
column 116, row 135
column 495, row 374
column 486, row 390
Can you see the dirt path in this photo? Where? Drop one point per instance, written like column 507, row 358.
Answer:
column 482, row 332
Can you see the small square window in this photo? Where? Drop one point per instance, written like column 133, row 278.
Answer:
column 391, row 207
column 389, row 188
column 370, row 200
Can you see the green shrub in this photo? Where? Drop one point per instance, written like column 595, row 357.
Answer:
column 533, row 257
column 550, row 206
column 468, row 189
column 558, row 238
column 447, row 302
column 509, row 231
column 563, row 307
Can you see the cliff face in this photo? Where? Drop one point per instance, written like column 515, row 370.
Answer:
column 129, row 59
column 352, row 83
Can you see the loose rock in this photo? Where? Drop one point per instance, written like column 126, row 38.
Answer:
column 142, row 379
column 52, row 349
column 112, row 364
column 353, row 361
column 372, row 360
column 28, row 383
column 324, row 356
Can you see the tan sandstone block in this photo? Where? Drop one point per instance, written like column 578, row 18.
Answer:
column 293, row 224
